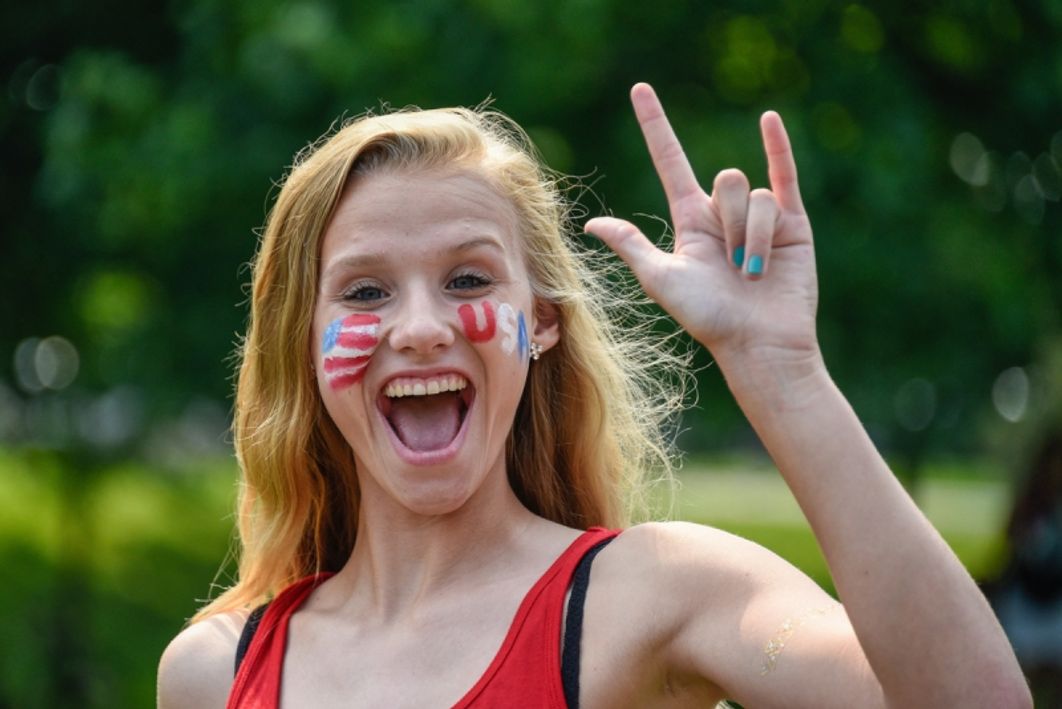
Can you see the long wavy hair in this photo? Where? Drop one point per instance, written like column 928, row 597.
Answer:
column 591, row 430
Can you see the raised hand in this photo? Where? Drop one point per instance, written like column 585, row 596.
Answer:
column 741, row 276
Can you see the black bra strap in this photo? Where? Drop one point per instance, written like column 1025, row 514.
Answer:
column 247, row 635
column 573, row 626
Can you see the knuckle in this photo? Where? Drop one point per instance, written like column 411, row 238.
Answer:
column 764, row 202
column 731, row 179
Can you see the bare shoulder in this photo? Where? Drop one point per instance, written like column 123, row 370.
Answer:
column 700, row 605
column 669, row 553
column 196, row 669
column 691, row 577
column 648, row 590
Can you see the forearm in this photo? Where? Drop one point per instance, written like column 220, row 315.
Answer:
column 925, row 627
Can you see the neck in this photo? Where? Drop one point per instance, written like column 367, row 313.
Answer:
column 402, row 558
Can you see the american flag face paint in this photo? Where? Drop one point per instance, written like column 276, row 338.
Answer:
column 482, row 325
column 347, row 345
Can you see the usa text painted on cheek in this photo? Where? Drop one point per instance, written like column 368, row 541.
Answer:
column 347, row 345
column 482, row 328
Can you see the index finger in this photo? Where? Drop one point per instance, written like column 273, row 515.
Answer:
column 669, row 159
column 781, row 166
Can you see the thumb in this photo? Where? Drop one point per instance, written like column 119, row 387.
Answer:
column 629, row 243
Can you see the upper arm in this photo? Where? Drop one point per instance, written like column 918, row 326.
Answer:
column 750, row 623
column 196, row 669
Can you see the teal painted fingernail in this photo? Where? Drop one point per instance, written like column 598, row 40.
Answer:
column 755, row 265
column 739, row 256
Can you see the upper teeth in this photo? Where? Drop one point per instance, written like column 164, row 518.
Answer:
column 410, row 386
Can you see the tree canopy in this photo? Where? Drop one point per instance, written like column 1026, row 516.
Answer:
column 142, row 150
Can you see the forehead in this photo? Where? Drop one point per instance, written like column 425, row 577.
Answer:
column 419, row 210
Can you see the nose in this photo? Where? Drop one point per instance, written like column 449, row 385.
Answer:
column 422, row 325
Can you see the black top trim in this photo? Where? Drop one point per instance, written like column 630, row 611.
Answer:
column 248, row 634
column 573, row 626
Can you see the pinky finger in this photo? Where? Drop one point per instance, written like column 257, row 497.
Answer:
column 759, row 231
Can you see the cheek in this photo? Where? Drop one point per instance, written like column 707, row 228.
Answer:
column 482, row 324
column 346, row 347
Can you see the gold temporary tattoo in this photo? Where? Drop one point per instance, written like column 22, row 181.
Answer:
column 775, row 645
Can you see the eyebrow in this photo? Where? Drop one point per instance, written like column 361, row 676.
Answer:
column 488, row 241
column 376, row 258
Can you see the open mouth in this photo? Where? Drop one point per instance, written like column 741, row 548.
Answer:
column 426, row 414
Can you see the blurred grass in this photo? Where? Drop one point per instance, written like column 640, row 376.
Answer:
column 747, row 497
column 102, row 569
column 104, row 566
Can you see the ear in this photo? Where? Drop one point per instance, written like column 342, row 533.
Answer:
column 546, row 326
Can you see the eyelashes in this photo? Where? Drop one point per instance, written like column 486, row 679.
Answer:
column 368, row 292
column 470, row 280
column 364, row 292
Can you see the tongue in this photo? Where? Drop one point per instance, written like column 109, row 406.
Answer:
column 426, row 423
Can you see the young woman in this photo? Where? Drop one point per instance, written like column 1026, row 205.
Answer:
column 440, row 428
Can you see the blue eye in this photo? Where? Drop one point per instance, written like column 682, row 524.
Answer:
column 469, row 281
column 365, row 293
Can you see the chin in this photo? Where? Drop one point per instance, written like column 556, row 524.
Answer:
column 438, row 497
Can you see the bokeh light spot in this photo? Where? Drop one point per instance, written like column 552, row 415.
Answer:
column 835, row 127
column 1010, row 394
column 861, row 30
column 26, row 365
column 113, row 301
column 969, row 160
column 1028, row 200
column 56, row 361
column 950, row 43
column 1048, row 176
column 43, row 88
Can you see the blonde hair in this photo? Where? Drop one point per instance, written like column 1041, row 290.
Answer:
column 589, row 429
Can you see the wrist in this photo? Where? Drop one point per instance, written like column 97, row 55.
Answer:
column 779, row 380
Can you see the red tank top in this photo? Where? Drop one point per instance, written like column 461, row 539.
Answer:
column 526, row 671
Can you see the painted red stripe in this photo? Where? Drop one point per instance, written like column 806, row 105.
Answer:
column 347, row 379
column 360, row 319
column 357, row 340
column 331, row 364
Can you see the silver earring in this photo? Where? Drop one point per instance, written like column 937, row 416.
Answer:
column 536, row 351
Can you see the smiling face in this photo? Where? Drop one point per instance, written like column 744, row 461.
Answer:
column 421, row 334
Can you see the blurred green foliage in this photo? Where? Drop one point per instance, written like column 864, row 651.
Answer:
column 98, row 581
column 142, row 145
column 142, row 150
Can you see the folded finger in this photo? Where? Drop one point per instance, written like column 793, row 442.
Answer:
column 759, row 231
column 730, row 198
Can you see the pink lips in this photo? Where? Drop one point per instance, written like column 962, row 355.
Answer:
column 431, row 457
